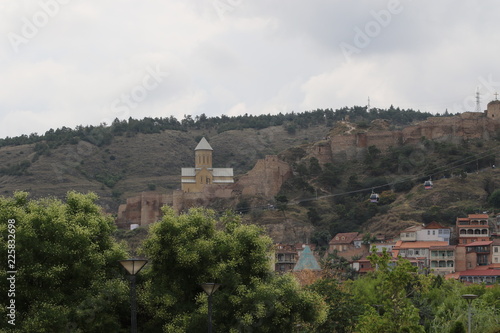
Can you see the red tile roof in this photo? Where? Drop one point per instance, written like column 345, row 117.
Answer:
column 344, row 238
column 480, row 243
column 478, row 216
column 476, row 272
column 419, row 245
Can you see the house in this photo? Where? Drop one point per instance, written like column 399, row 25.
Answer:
column 342, row 242
column 203, row 174
column 430, row 232
column 434, row 232
column 495, row 257
column 487, row 276
column 285, row 258
column 473, row 228
column 442, row 259
column 419, row 251
column 348, row 245
column 478, row 253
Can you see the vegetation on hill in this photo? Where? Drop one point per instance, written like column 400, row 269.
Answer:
column 104, row 133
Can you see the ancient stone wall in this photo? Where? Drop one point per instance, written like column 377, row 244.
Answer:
column 466, row 126
column 142, row 209
column 266, row 177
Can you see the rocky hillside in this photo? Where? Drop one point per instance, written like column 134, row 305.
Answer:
column 131, row 164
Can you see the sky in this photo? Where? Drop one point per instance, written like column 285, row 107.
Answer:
column 73, row 62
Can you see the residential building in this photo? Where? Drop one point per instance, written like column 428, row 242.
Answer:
column 285, row 258
column 430, row 232
column 487, row 276
column 473, row 228
column 495, row 257
column 442, row 259
column 478, row 254
column 434, row 232
column 342, row 242
column 418, row 252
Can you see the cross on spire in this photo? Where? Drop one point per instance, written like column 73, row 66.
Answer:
column 496, row 96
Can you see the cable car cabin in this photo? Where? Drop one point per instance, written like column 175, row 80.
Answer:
column 428, row 184
column 374, row 197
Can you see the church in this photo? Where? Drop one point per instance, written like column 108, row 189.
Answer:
column 203, row 174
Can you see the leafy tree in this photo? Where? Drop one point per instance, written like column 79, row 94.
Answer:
column 314, row 167
column 67, row 277
column 494, row 199
column 189, row 249
column 388, row 296
column 343, row 309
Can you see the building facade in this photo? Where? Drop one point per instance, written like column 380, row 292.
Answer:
column 203, row 174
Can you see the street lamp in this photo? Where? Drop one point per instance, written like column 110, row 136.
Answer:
column 469, row 298
column 133, row 266
column 210, row 289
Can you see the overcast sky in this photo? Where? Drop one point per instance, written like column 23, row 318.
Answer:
column 74, row 62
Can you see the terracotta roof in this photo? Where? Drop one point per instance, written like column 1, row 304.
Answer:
column 481, row 243
column 434, row 225
column 496, row 242
column 477, row 272
column 344, row 238
column 420, row 245
column 478, row 216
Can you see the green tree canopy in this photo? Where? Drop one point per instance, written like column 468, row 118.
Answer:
column 67, row 277
column 198, row 247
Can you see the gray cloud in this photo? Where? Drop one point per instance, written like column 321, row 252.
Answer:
column 66, row 63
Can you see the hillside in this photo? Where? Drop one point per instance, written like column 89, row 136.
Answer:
column 142, row 162
column 328, row 192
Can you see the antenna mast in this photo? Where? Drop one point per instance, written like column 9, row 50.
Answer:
column 478, row 101
column 368, row 106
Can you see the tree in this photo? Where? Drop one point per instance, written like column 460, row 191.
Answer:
column 494, row 199
column 189, row 249
column 343, row 309
column 387, row 294
column 67, row 277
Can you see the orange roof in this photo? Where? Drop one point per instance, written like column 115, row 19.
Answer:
column 478, row 216
column 420, row 245
column 480, row 243
column 344, row 238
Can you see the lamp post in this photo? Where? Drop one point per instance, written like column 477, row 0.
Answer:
column 210, row 289
column 469, row 298
column 133, row 266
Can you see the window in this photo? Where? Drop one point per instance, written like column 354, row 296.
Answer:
column 428, row 232
column 495, row 249
column 440, row 231
column 433, row 232
column 417, row 252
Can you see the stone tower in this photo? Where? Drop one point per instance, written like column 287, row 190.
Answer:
column 203, row 155
column 493, row 110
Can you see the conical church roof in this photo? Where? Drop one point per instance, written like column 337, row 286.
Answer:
column 203, row 145
column 307, row 261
